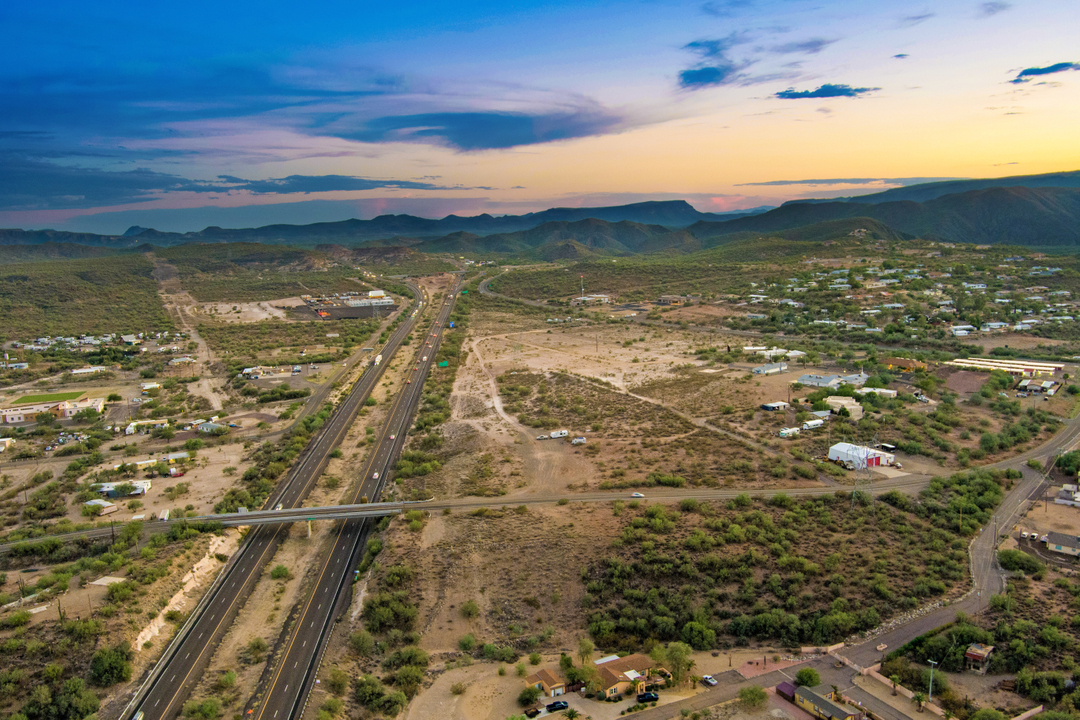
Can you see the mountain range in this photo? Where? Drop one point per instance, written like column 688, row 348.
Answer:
column 1033, row 210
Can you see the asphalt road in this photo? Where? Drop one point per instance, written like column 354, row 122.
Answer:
column 162, row 694
column 284, row 689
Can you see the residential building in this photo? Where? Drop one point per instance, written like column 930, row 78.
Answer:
column 770, row 369
column 1062, row 543
column 107, row 508
column 548, row 682
column 627, row 675
column 905, row 364
column 139, row 487
column 822, row 702
column 836, row 402
column 775, row 406
column 670, row 300
column 5, row 443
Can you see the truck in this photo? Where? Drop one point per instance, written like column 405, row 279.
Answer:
column 378, row 360
column 559, row 434
column 811, row 424
column 789, row 432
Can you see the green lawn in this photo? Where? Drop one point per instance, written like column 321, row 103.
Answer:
column 51, row 397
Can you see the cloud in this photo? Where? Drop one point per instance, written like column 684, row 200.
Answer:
column 854, row 181
column 913, row 20
column 486, row 130
column 809, row 47
column 989, row 9
column 1027, row 74
column 724, row 8
column 31, row 184
column 828, row 90
column 708, row 76
column 901, row 56
column 716, row 68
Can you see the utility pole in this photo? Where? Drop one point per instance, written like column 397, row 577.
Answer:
column 933, row 664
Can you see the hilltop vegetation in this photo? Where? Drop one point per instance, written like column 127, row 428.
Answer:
column 69, row 297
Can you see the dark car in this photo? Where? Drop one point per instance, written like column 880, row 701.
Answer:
column 531, row 713
column 557, row 706
column 647, row 697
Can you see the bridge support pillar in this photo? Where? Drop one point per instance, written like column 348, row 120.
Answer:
column 309, row 529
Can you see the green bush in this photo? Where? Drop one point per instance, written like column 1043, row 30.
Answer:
column 109, row 666
column 1019, row 561
column 807, row 677
column 280, row 572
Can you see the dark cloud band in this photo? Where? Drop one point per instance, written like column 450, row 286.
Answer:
column 828, row 90
column 1027, row 74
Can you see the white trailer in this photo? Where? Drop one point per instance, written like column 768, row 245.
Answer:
column 559, row 434
column 789, row 432
column 578, row 441
column 811, row 424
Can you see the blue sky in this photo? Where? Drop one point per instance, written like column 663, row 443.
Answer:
column 112, row 112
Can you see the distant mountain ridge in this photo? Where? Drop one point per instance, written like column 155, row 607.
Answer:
column 931, row 191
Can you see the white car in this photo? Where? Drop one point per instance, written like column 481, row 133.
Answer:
column 708, row 680
column 636, row 495
column 375, row 476
column 393, row 437
column 1023, row 535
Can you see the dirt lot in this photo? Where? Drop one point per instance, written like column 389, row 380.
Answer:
column 249, row 312
column 1011, row 340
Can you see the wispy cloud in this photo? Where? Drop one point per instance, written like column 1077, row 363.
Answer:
column 913, row 20
column 809, row 47
column 486, row 130
column 989, row 9
column 716, row 66
column 853, row 181
column 828, row 90
column 31, row 184
column 901, row 56
column 724, row 8
column 1027, row 74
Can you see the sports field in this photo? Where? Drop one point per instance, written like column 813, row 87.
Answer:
column 51, row 397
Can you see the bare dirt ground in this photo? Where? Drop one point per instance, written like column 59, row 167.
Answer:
column 248, row 312
column 1011, row 340
column 1044, row 517
column 180, row 306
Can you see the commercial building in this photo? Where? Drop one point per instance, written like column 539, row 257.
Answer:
column 1020, row 368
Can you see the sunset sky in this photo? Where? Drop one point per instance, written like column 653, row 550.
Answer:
column 198, row 113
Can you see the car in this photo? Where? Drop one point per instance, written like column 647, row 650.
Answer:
column 557, row 706
column 393, row 437
column 375, row 476
column 541, row 437
column 647, row 697
column 408, row 382
column 1023, row 535
column 636, row 495
column 531, row 713
column 1044, row 538
column 708, row 680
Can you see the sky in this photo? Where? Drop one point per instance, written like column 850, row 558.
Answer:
column 182, row 115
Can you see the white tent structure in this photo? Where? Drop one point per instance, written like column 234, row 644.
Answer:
column 859, row 457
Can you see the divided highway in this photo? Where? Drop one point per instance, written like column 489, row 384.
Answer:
column 162, row 694
column 283, row 693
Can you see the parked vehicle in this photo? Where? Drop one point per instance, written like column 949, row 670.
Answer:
column 708, row 680
column 578, row 441
column 557, row 706
column 559, row 434
column 647, row 697
column 789, row 432
column 811, row 424
column 541, row 437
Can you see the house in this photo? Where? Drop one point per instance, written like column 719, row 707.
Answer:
column 859, row 457
column 5, row 443
column 548, row 682
column 836, row 402
column 130, row 340
column 770, row 369
column 825, row 381
column 89, row 370
column 175, row 457
column 107, row 507
column 626, row 675
column 184, row 360
column 880, row 392
column 138, row 487
column 822, row 702
column 670, row 300
column 774, row 406
column 977, row 657
column 71, row 408
column 1062, row 543
column 209, row 427
column 905, row 364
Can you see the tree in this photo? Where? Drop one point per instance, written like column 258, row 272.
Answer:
column 807, row 677
column 529, row 696
column 680, row 661
column 111, row 665
column 113, row 397
column 362, row 643
column 918, row 698
column 585, row 650
column 895, row 680
column 753, row 697
column 369, row 692
column 571, row 713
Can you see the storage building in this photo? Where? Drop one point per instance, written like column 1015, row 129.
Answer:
column 859, row 456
